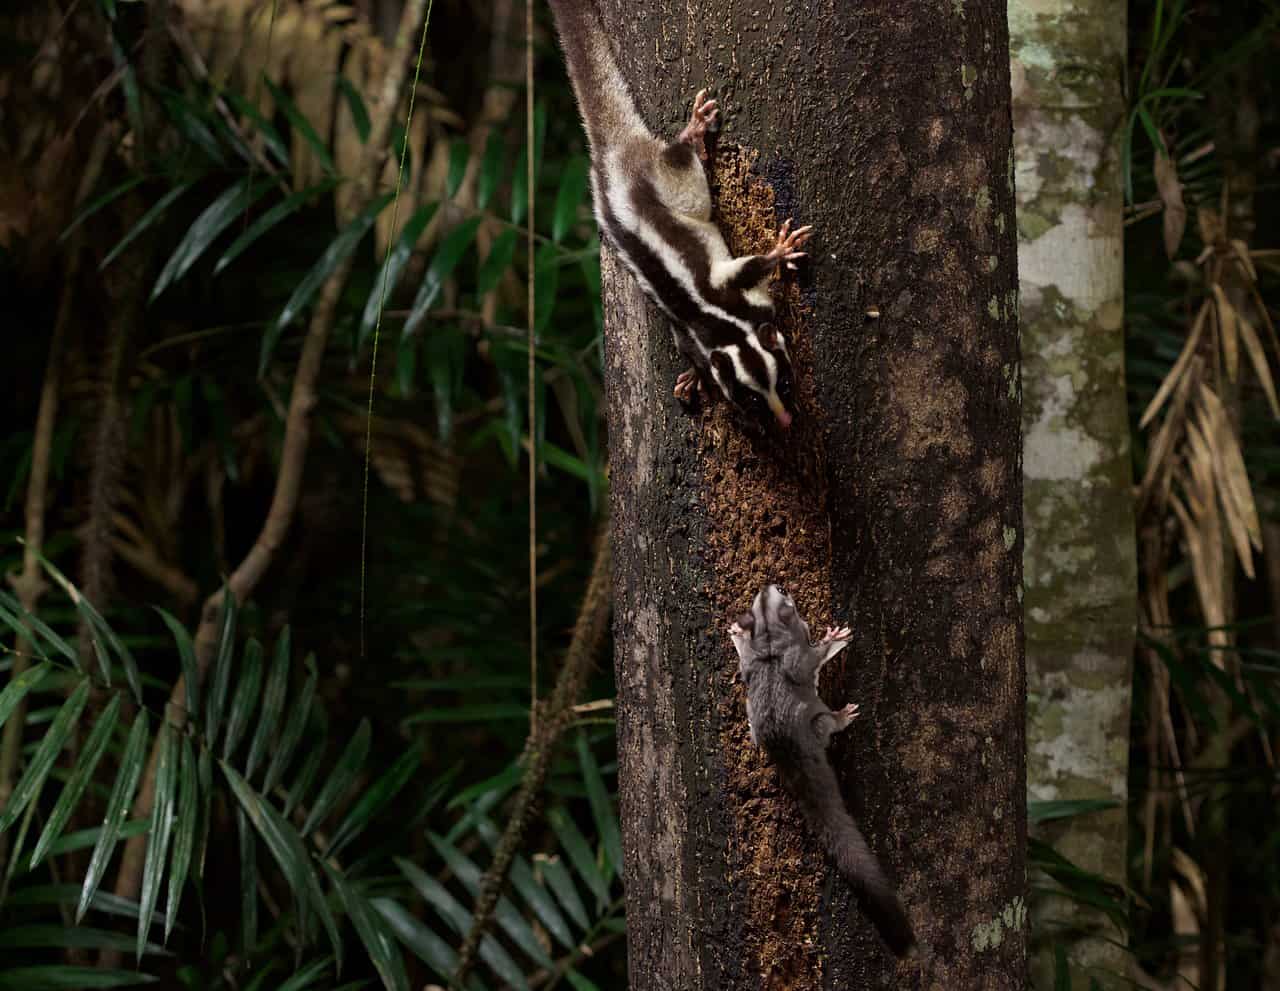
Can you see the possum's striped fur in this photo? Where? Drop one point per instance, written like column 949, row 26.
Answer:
column 652, row 201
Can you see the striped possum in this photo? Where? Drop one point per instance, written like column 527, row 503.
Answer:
column 780, row 668
column 653, row 202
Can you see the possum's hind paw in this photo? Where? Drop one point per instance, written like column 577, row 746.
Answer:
column 695, row 132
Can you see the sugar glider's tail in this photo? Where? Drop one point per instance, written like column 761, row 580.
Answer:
column 605, row 100
column 817, row 792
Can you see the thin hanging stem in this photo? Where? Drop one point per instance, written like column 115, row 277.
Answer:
column 533, row 434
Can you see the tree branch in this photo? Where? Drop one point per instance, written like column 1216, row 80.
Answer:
column 302, row 403
column 588, row 634
column 29, row 584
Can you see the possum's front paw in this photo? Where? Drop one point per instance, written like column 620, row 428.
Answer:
column 787, row 247
column 836, row 633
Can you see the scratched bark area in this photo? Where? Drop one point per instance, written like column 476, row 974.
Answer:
column 894, row 503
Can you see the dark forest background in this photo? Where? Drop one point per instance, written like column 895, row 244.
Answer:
column 182, row 207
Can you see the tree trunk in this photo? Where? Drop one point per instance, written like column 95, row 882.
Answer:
column 1080, row 558
column 894, row 503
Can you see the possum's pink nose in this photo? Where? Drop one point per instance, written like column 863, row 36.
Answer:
column 784, row 418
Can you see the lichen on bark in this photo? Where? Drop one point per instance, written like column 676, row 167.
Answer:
column 1081, row 586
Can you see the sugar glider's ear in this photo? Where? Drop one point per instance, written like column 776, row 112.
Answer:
column 768, row 335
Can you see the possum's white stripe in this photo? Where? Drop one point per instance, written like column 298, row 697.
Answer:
column 618, row 193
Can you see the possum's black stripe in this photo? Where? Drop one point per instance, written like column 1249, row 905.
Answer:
column 689, row 246
column 753, row 272
column 714, row 332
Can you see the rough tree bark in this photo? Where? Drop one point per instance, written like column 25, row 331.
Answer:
column 895, row 502
column 1080, row 557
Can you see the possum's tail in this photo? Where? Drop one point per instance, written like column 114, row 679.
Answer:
column 605, row 100
column 814, row 785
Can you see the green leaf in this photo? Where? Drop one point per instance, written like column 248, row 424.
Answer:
column 459, row 153
column 520, row 187
column 187, row 656
column 334, row 255
column 546, row 279
column 282, row 211
column 534, row 894
column 406, row 365
column 272, row 704
column 204, row 790
column 69, row 894
column 301, row 125
column 376, row 797
column 520, row 182
column 293, row 729
column 396, row 261
column 19, row 620
column 573, row 186
column 290, row 854
column 55, row 977
column 121, row 795
column 143, row 225
column 452, row 247
column 317, row 753
column 340, row 781
column 307, row 976
column 355, row 102
column 18, row 687
column 70, row 937
column 97, row 203
column 248, row 883
column 55, row 738
column 490, row 168
column 557, row 875
column 185, row 838
column 579, row 853
column 497, row 262
column 579, row 982
column 75, row 786
column 1044, row 811
column 244, row 703
column 220, row 676
column 601, row 803
column 271, row 138
column 509, row 920
column 373, row 933
column 192, row 124
column 103, row 637
column 459, row 919
column 82, row 839
column 421, row 941
column 216, row 218
column 446, row 352
column 161, row 830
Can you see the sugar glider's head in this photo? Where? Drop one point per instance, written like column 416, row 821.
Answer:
column 771, row 627
column 756, row 376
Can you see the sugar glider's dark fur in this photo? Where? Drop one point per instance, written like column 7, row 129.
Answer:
column 780, row 668
column 652, row 201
